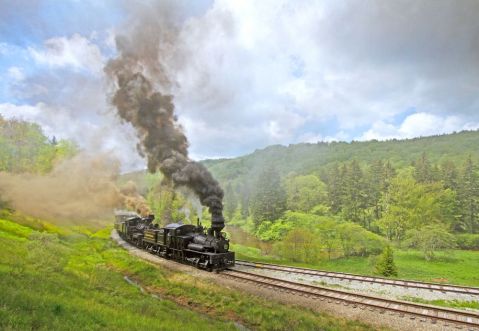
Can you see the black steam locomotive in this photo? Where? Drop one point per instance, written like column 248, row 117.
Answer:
column 184, row 243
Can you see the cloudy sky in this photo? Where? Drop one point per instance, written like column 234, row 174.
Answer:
column 247, row 74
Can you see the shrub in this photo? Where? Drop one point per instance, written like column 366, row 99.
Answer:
column 385, row 264
column 429, row 239
column 299, row 245
column 467, row 241
column 46, row 252
column 355, row 240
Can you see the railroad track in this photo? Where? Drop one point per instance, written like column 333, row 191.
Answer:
column 402, row 308
column 444, row 288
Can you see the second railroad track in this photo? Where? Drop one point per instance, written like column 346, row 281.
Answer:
column 444, row 288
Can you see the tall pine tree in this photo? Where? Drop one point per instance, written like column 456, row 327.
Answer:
column 374, row 186
column 423, row 171
column 231, row 201
column 335, row 188
column 449, row 175
column 468, row 196
column 355, row 195
column 269, row 198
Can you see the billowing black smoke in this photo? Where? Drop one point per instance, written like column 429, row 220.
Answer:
column 162, row 140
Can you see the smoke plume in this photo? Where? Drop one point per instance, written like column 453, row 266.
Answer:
column 138, row 74
column 80, row 190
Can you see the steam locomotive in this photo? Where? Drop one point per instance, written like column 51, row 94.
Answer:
column 185, row 243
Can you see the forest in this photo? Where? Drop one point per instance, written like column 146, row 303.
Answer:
column 358, row 197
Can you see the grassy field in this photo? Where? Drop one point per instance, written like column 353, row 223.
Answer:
column 73, row 279
column 455, row 267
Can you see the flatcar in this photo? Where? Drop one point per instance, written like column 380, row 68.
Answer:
column 185, row 243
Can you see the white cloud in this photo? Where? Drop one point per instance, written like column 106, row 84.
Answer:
column 76, row 52
column 418, row 125
column 8, row 110
column 54, row 121
column 246, row 60
column 16, row 74
column 315, row 138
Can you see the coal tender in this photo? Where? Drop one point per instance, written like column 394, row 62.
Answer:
column 185, row 243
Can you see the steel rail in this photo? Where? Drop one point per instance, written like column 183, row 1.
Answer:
column 360, row 278
column 447, row 315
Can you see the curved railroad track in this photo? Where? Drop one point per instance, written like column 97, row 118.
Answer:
column 444, row 288
column 448, row 316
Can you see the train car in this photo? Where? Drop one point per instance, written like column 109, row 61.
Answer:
column 185, row 243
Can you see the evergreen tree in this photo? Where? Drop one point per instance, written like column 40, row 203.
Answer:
column 335, row 189
column 231, row 201
column 374, row 186
column 449, row 175
column 468, row 196
column 244, row 200
column 355, row 196
column 385, row 265
column 269, row 198
column 388, row 174
column 450, row 179
column 423, row 171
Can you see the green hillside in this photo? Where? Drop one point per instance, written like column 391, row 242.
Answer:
column 64, row 278
column 305, row 158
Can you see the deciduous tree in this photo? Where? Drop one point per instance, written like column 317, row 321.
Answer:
column 430, row 238
column 304, row 192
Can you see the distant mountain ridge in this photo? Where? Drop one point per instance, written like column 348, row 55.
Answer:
column 305, row 158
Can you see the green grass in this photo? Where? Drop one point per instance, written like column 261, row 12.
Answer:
column 75, row 281
column 454, row 267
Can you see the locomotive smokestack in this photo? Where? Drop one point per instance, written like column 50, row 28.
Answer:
column 139, row 102
column 217, row 224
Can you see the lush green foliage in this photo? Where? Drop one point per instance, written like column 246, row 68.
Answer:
column 305, row 192
column 431, row 238
column 467, row 241
column 412, row 205
column 383, row 197
column 24, row 148
column 308, row 237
